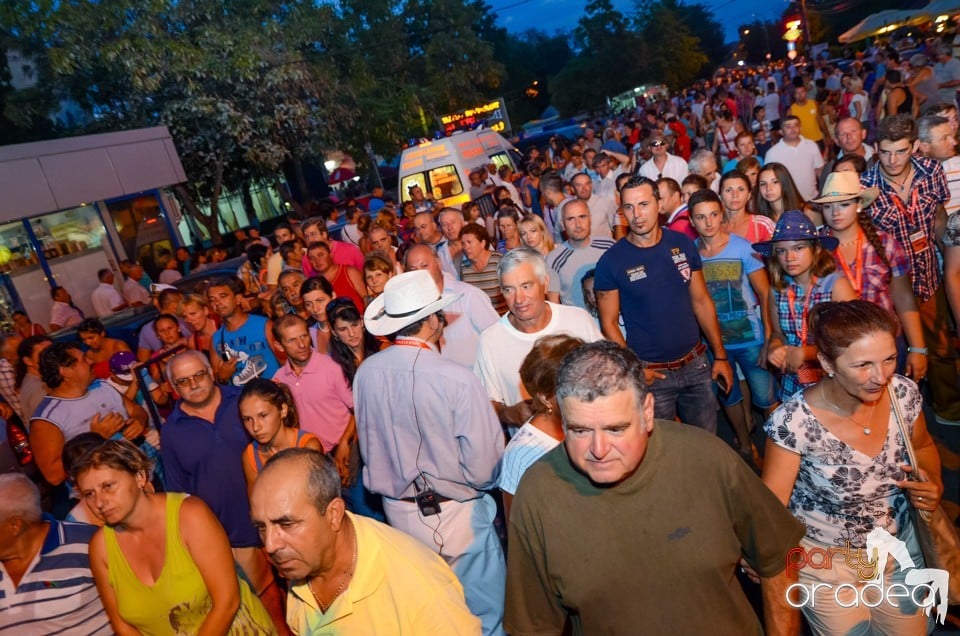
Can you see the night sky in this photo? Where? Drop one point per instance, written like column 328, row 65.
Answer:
column 550, row 15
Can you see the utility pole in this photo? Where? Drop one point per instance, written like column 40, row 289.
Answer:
column 806, row 25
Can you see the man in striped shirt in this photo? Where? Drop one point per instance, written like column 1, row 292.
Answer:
column 46, row 586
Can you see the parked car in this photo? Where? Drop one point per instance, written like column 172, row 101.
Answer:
column 125, row 325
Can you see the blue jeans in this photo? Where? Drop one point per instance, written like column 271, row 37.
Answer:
column 687, row 392
column 763, row 389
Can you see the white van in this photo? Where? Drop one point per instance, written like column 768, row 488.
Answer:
column 442, row 166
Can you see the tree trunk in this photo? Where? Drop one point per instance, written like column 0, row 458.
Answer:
column 248, row 206
column 305, row 195
column 207, row 221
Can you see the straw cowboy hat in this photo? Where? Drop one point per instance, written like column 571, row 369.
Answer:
column 406, row 298
column 843, row 186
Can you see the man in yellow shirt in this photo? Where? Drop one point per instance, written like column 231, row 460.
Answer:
column 349, row 574
column 807, row 111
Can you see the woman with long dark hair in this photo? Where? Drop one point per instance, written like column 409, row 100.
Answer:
column 350, row 345
column 350, row 342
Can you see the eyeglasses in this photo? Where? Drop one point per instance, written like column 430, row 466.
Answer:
column 190, row 380
column 658, row 143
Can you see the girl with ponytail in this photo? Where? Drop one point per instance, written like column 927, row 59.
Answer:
column 269, row 414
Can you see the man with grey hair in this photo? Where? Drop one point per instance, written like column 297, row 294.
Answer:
column 947, row 73
column 466, row 318
column 704, row 163
column 937, row 141
column 46, row 586
column 530, row 316
column 703, row 509
column 390, row 583
column 202, row 442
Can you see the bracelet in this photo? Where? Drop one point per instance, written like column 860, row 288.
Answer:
column 720, row 360
column 921, row 350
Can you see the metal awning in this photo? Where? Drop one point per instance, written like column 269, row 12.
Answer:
column 45, row 176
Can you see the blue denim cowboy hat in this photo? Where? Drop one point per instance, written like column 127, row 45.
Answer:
column 795, row 226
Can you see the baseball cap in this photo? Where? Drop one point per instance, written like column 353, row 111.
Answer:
column 122, row 364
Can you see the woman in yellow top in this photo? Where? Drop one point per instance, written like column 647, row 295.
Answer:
column 269, row 414
column 162, row 563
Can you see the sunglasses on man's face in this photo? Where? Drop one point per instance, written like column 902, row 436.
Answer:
column 657, row 144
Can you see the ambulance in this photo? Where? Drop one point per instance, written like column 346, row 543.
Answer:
column 442, row 166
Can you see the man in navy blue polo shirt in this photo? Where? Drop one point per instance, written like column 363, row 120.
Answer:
column 654, row 278
column 202, row 445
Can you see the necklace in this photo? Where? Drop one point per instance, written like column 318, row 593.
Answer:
column 866, row 429
column 903, row 184
column 347, row 576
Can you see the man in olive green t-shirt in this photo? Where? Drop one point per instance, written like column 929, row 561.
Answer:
column 636, row 525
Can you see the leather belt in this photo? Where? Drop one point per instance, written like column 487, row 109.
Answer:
column 679, row 363
column 439, row 499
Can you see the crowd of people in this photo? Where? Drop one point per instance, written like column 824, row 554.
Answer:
column 439, row 420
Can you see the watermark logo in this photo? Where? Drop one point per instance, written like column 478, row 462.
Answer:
column 924, row 587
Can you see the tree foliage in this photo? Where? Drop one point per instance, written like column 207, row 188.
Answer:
column 246, row 86
column 664, row 41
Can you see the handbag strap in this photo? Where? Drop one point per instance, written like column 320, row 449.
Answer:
column 904, row 433
column 908, row 445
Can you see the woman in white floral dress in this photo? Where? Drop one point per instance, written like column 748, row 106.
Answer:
column 836, row 458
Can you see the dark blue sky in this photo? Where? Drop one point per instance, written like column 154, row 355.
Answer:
column 550, row 15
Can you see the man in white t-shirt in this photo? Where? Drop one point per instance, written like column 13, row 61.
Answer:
column 134, row 293
column 105, row 298
column 504, row 345
column 801, row 157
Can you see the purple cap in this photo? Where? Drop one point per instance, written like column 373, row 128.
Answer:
column 122, row 363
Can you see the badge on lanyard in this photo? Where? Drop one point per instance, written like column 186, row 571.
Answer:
column 918, row 242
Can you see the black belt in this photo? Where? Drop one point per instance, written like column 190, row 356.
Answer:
column 679, row 363
column 438, row 499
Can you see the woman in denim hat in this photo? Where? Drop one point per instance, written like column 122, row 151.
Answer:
column 802, row 274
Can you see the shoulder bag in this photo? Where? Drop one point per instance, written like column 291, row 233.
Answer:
column 935, row 530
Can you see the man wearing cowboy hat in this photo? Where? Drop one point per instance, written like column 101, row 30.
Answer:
column 430, row 440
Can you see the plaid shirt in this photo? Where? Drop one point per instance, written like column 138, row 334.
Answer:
column 901, row 218
column 791, row 319
column 8, row 388
column 876, row 276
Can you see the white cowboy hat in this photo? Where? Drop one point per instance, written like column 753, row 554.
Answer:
column 843, row 186
column 406, row 298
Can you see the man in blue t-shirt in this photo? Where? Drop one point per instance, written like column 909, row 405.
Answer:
column 243, row 345
column 653, row 277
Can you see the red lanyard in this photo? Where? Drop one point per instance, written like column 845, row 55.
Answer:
column 911, row 212
column 792, row 297
column 855, row 280
column 410, row 342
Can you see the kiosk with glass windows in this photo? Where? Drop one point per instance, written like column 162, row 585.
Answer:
column 78, row 205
